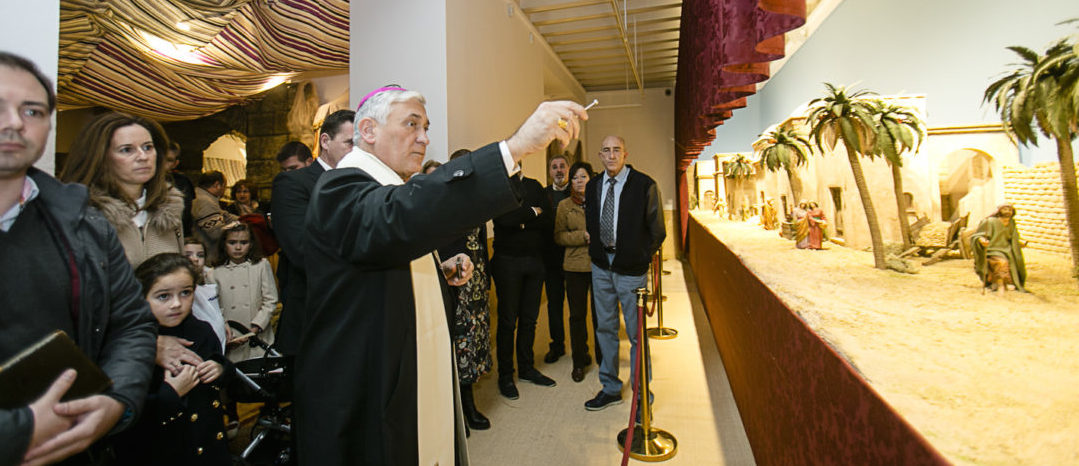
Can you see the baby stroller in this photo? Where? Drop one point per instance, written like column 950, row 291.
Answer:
column 265, row 380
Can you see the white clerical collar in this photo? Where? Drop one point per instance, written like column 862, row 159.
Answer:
column 366, row 161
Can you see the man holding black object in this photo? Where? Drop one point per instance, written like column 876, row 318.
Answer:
column 61, row 268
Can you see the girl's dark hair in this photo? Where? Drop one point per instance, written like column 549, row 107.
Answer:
column 579, row 165
column 200, row 279
column 148, row 272
column 253, row 255
column 194, row 240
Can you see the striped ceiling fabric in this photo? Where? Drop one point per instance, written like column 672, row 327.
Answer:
column 183, row 59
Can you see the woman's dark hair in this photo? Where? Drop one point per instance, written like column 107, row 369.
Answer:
column 150, row 270
column 429, row 165
column 254, row 254
column 88, row 162
column 250, row 189
column 579, row 165
column 459, row 153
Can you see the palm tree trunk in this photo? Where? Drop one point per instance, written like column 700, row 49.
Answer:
column 901, row 204
column 867, row 205
column 1071, row 196
column 796, row 186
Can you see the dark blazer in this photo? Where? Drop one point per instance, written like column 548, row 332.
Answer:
column 553, row 254
column 640, row 230
column 520, row 232
column 355, row 378
column 291, row 193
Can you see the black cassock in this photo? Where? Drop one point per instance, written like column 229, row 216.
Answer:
column 356, row 382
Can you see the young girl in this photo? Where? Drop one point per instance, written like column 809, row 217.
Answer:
column 246, row 287
column 182, row 423
column 206, row 305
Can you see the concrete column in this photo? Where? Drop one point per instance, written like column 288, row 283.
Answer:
column 32, row 30
column 402, row 42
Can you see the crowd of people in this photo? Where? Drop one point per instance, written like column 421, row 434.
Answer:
column 382, row 273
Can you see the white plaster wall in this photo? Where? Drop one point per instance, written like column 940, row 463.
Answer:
column 495, row 78
column 402, row 42
column 32, row 30
column 949, row 51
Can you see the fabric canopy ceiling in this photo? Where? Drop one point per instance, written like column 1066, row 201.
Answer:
column 183, row 59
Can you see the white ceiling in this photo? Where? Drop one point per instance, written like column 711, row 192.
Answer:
column 611, row 44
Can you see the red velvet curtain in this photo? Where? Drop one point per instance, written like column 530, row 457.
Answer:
column 724, row 52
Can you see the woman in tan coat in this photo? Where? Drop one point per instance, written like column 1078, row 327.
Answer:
column 119, row 157
column 569, row 231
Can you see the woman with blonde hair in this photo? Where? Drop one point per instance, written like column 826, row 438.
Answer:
column 120, row 158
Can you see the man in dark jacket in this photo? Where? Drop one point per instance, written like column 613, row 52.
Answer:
column 61, row 268
column 517, row 268
column 291, row 193
column 625, row 223
column 554, row 281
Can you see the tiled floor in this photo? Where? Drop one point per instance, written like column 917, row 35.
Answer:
column 693, row 400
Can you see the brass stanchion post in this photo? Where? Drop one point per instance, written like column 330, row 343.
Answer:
column 660, row 332
column 648, row 443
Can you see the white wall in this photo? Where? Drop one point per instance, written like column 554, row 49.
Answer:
column 949, row 51
column 401, row 42
column 498, row 70
column 646, row 122
column 32, row 30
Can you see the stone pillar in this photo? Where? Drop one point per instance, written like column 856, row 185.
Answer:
column 32, row 30
column 266, row 123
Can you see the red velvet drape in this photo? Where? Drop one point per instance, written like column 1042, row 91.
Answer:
column 723, row 53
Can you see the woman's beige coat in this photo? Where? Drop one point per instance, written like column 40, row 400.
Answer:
column 569, row 231
column 163, row 231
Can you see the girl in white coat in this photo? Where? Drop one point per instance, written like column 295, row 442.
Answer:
column 245, row 285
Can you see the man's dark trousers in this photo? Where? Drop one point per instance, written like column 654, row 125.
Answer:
column 518, row 286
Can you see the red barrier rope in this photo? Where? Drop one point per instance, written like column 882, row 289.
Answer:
column 628, row 442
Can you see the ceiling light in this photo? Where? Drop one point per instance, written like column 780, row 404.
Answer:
column 274, row 81
column 181, row 52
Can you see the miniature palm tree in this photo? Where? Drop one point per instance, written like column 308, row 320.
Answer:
column 739, row 168
column 1044, row 91
column 848, row 116
column 899, row 129
column 784, row 148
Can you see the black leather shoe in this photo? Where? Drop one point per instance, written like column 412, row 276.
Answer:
column 602, row 400
column 477, row 421
column 508, row 389
column 553, row 355
column 578, row 374
column 474, row 419
column 535, row 377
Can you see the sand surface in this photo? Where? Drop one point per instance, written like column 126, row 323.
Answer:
column 986, row 379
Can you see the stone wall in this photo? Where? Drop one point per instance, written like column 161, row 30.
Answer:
column 264, row 125
column 1039, row 204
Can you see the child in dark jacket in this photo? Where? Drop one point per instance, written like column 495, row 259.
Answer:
column 182, row 421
